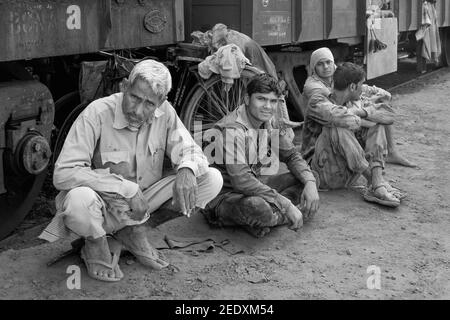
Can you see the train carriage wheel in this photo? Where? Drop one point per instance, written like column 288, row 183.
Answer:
column 64, row 130
column 24, row 189
column 209, row 102
column 17, row 202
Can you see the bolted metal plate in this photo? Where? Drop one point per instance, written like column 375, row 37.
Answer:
column 155, row 21
column 34, row 154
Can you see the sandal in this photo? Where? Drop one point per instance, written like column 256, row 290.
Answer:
column 115, row 248
column 132, row 243
column 400, row 195
column 388, row 200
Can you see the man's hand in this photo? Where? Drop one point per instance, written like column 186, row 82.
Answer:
column 381, row 98
column 357, row 111
column 185, row 191
column 138, row 206
column 382, row 114
column 309, row 200
column 295, row 216
column 367, row 124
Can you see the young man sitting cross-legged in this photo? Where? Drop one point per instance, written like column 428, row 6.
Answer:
column 254, row 196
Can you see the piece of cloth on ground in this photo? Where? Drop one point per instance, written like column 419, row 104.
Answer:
column 201, row 244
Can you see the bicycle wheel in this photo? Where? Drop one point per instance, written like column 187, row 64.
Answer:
column 208, row 102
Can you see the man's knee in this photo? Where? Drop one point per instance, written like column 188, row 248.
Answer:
column 256, row 211
column 80, row 199
column 376, row 136
column 83, row 212
column 211, row 182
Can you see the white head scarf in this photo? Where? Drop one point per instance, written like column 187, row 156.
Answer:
column 317, row 56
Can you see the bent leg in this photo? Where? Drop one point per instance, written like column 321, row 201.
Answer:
column 394, row 156
column 83, row 214
column 338, row 158
column 287, row 185
column 376, row 150
column 253, row 213
column 376, row 145
column 135, row 237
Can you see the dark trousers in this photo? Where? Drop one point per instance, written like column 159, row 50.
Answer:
column 235, row 209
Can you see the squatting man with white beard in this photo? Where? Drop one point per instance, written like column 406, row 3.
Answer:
column 110, row 173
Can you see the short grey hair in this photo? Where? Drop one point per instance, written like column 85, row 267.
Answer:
column 155, row 74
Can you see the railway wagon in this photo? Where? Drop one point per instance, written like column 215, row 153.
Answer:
column 290, row 29
column 45, row 43
column 42, row 44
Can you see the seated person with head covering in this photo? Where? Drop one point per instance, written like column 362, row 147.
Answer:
column 343, row 129
column 322, row 68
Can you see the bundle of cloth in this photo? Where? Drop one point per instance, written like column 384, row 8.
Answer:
column 229, row 61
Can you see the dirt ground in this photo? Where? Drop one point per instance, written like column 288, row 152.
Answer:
column 327, row 259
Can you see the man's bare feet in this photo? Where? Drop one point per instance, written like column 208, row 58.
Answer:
column 134, row 239
column 99, row 262
column 395, row 158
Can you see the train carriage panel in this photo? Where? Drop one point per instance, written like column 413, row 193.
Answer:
column 344, row 18
column 272, row 21
column 443, row 7
column 143, row 23
column 309, row 20
column 36, row 29
column 48, row 28
column 409, row 13
column 203, row 15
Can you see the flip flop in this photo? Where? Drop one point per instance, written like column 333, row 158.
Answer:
column 154, row 262
column 392, row 201
column 115, row 248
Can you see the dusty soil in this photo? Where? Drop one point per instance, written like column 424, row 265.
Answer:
column 327, row 259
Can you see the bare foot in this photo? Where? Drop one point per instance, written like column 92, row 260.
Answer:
column 396, row 158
